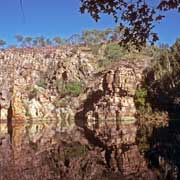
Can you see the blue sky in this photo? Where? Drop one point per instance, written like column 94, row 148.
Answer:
column 62, row 17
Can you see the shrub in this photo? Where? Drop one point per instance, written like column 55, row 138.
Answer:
column 73, row 88
column 140, row 97
column 41, row 83
column 114, row 51
column 95, row 48
column 103, row 62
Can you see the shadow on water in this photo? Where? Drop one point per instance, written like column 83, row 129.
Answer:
column 88, row 105
column 81, row 119
column 164, row 142
column 164, row 152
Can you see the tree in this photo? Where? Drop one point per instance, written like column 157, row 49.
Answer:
column 175, row 55
column 41, row 41
column 93, row 36
column 57, row 40
column 19, row 38
column 75, row 39
column 163, row 46
column 28, row 41
column 34, row 42
column 48, row 42
column 2, row 43
column 109, row 34
column 137, row 17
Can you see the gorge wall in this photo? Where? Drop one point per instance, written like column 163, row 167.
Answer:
column 46, row 93
column 33, row 79
column 108, row 117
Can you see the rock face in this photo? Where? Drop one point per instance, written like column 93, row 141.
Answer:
column 44, row 111
column 110, row 105
column 108, row 114
column 33, row 80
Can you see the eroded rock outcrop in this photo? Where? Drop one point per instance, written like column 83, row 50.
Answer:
column 33, row 80
column 110, row 105
column 108, row 114
column 66, row 135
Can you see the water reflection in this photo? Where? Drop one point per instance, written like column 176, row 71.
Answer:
column 31, row 141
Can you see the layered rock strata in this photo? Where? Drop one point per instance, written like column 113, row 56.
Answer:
column 33, row 79
column 108, row 117
column 38, row 116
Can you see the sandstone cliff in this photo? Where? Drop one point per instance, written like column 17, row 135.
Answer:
column 55, row 102
column 33, row 80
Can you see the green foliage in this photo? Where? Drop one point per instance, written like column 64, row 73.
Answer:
column 140, row 97
column 19, row 37
column 150, row 51
column 27, row 114
column 75, row 39
column 103, row 62
column 114, row 51
column 137, row 18
column 95, row 48
column 48, row 42
column 41, row 83
column 93, row 36
column 69, row 88
column 142, row 138
column 2, row 42
column 163, row 79
column 72, row 88
column 40, row 41
column 57, row 40
column 175, row 55
column 101, row 36
column 28, row 40
column 167, row 61
column 88, row 37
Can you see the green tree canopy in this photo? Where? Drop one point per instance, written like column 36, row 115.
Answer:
column 57, row 40
column 28, row 41
column 19, row 38
column 2, row 42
